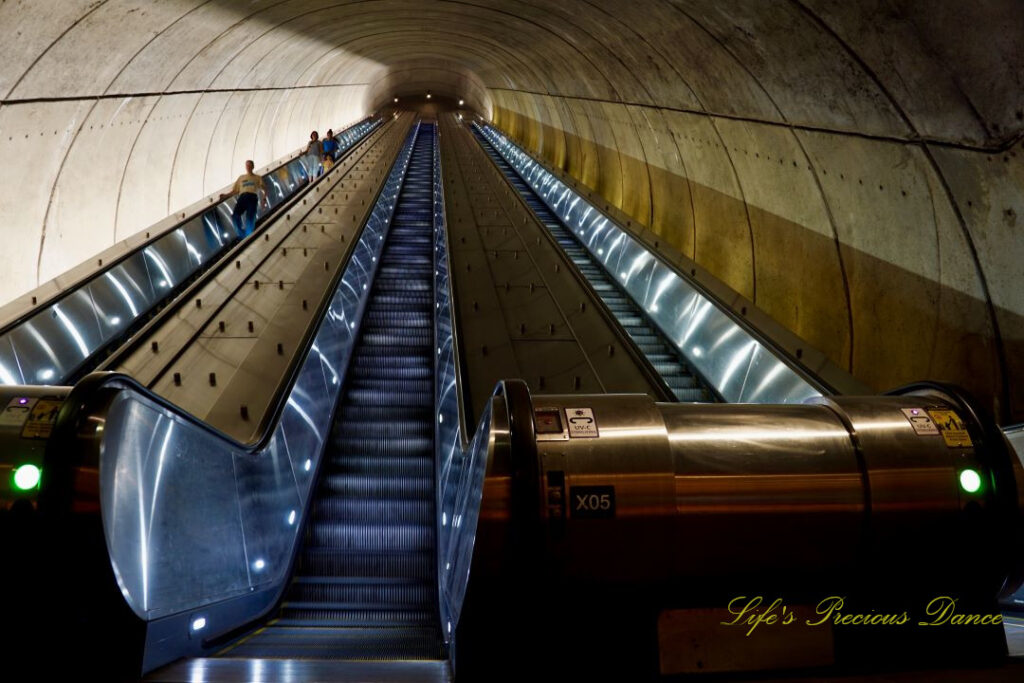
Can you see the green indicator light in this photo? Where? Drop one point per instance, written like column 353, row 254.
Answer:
column 26, row 477
column 970, row 481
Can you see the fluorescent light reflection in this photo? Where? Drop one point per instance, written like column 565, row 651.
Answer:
column 6, row 377
column 736, row 363
column 72, row 330
column 304, row 415
column 755, row 435
column 123, row 292
column 161, row 265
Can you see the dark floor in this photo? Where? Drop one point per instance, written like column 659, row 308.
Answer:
column 294, row 671
column 300, row 671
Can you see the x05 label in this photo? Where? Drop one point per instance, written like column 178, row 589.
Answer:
column 593, row 502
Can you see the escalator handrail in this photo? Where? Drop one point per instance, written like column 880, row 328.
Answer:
column 70, row 290
column 796, row 366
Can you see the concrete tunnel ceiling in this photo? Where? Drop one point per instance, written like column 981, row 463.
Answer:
column 854, row 169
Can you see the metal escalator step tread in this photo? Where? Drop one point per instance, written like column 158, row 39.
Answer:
column 392, row 318
column 383, row 350
column 694, row 395
column 383, row 414
column 385, row 398
column 378, row 452
column 340, row 562
column 397, row 510
column 681, row 382
column 306, row 595
column 367, row 371
column 402, row 298
column 391, row 339
column 404, row 462
column 368, row 485
column 357, row 580
column 407, row 428
column 356, row 617
column 671, row 368
column 360, row 644
column 385, row 382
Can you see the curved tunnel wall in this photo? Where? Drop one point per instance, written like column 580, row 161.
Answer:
column 858, row 178
column 854, row 169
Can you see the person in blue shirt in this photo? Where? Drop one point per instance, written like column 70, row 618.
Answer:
column 330, row 145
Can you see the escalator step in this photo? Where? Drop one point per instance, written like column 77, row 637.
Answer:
column 306, row 595
column 695, row 395
column 359, row 644
column 386, row 383
column 382, row 453
column 372, row 537
column 680, row 382
column 355, row 617
column 366, row 486
column 338, row 562
column 371, row 397
column 393, row 510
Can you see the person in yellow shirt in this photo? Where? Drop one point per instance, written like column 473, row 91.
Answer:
column 248, row 187
column 328, row 162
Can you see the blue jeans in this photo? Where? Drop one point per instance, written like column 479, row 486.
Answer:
column 246, row 205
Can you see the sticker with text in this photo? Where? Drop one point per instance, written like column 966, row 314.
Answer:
column 952, row 428
column 582, row 424
column 919, row 420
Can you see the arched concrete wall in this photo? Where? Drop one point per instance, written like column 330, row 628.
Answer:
column 853, row 168
column 116, row 114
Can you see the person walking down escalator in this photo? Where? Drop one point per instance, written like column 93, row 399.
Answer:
column 315, row 151
column 248, row 187
column 330, row 146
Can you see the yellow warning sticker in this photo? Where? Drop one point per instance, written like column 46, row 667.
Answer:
column 952, row 428
column 40, row 420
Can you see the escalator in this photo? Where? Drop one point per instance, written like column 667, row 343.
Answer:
column 69, row 326
column 659, row 352
column 364, row 584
